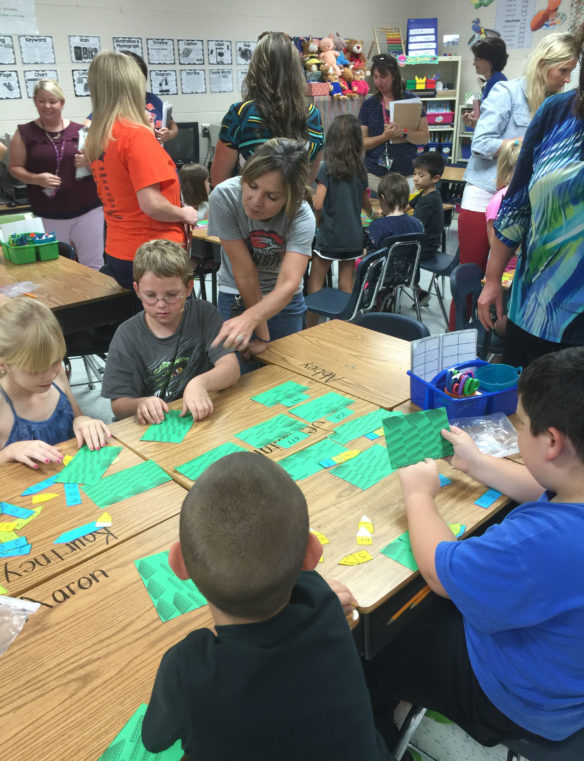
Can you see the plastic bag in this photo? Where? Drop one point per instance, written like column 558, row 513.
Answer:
column 17, row 289
column 493, row 434
column 13, row 616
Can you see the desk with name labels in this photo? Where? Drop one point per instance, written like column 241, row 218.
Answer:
column 234, row 412
column 129, row 517
column 348, row 358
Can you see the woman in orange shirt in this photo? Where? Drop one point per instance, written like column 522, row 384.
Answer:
column 136, row 179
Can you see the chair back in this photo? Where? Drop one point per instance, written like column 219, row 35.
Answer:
column 65, row 249
column 466, row 280
column 368, row 280
column 397, row 325
column 402, row 259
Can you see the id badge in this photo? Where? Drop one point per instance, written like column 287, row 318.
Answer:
column 384, row 160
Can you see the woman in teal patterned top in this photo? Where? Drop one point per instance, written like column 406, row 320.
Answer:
column 544, row 212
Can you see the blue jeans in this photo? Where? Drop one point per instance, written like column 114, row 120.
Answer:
column 288, row 320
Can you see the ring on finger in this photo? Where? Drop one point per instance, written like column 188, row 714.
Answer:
column 239, row 338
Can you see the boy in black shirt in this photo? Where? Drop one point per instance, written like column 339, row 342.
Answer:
column 280, row 677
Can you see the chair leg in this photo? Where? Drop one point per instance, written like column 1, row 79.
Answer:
column 411, row 723
column 440, row 299
column 202, row 286
column 417, row 303
column 512, row 755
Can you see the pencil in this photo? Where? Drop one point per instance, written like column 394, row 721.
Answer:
column 411, row 603
column 30, row 295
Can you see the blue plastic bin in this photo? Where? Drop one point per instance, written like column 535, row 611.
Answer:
column 429, row 395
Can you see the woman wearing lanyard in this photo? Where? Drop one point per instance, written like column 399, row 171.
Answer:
column 42, row 156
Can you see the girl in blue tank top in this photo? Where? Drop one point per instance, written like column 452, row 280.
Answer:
column 37, row 408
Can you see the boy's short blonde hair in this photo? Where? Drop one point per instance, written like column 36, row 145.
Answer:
column 162, row 258
column 30, row 336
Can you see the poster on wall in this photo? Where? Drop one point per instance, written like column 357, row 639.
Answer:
column 192, row 81
column 512, row 19
column 6, row 50
column 190, row 52
column 18, row 17
column 160, row 50
column 241, row 75
column 220, row 80
column 133, row 44
column 32, row 76
column 422, row 36
column 9, row 85
column 80, row 83
column 219, row 52
column 163, row 82
column 83, row 49
column 36, row 48
column 244, row 52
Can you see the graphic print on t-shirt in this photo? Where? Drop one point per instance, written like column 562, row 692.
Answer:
column 167, row 379
column 267, row 249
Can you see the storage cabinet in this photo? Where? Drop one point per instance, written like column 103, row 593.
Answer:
column 463, row 137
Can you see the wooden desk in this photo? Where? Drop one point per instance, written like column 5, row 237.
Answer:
column 87, row 658
column 200, row 233
column 348, row 358
column 234, row 412
column 453, row 173
column 80, row 297
column 129, row 517
column 19, row 209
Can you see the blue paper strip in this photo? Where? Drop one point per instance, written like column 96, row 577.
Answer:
column 72, row 494
column 372, row 435
column 40, row 486
column 443, row 480
column 15, row 511
column 15, row 547
column 75, row 533
column 487, row 499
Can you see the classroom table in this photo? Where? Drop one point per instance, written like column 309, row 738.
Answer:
column 349, row 359
column 6, row 208
column 453, row 173
column 47, row 559
column 234, row 411
column 79, row 296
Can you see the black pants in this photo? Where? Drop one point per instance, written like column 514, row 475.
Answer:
column 520, row 348
column 428, row 665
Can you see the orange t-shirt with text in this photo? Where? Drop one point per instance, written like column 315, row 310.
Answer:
column 133, row 160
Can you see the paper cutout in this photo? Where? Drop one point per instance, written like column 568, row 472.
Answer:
column 38, row 498
column 193, row 468
column 88, row 465
column 16, row 512
column 8, row 526
column 364, row 536
column 18, row 546
column 457, row 529
column 127, row 745
column 72, row 495
column 270, row 431
column 126, row 483
column 75, row 533
column 172, row 430
column 366, row 470
column 412, row 438
column 21, row 522
column 376, row 434
column 41, row 485
column 400, row 549
column 294, row 438
column 306, row 462
column 488, row 498
column 104, row 519
column 366, row 523
column 288, row 394
column 67, row 459
column 170, row 595
column 341, row 414
column 320, row 536
column 358, row 427
column 322, row 406
column 338, row 459
column 3, row 590
column 444, row 481
column 356, row 558
column 7, row 536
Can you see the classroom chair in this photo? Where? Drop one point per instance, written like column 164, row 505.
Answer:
column 401, row 269
column 440, row 265
column 396, row 325
column 466, row 280
column 206, row 260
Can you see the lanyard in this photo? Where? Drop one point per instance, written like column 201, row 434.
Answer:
column 59, row 151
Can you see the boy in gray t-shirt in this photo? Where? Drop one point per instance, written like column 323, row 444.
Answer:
column 165, row 353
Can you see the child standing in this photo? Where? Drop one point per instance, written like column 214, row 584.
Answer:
column 165, row 353
column 341, row 193
column 195, row 188
column 279, row 678
column 506, row 161
column 37, row 408
column 393, row 193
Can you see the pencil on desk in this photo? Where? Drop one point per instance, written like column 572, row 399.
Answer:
column 30, row 295
column 411, row 603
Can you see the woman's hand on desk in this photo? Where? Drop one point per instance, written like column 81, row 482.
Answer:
column 196, row 400
column 90, row 431
column 150, row 410
column 30, row 452
column 237, row 333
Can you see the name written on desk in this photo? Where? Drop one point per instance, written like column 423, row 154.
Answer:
column 322, row 373
column 65, row 593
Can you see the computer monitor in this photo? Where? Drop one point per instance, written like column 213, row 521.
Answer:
column 184, row 148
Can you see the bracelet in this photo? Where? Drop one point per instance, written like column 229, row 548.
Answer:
column 263, row 340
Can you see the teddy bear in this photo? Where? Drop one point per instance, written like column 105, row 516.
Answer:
column 328, row 54
column 330, row 76
column 310, row 60
column 354, row 51
column 359, row 85
column 346, row 82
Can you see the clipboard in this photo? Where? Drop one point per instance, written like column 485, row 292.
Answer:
column 407, row 113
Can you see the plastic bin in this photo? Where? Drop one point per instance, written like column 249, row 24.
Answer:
column 46, row 251
column 429, row 395
column 440, row 117
column 498, row 377
column 19, row 254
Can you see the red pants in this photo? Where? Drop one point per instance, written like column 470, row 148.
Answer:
column 474, row 246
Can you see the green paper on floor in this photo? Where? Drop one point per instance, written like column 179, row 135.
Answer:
column 268, row 432
column 288, row 394
column 193, row 468
column 88, row 465
column 128, row 744
column 366, row 469
column 170, row 595
column 127, row 483
column 415, row 437
column 359, row 426
column 306, row 462
column 172, row 430
column 322, row 406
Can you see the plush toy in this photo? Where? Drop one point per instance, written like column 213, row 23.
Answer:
column 310, row 60
column 354, row 51
column 346, row 82
column 339, row 44
column 328, row 54
column 359, row 85
column 330, row 76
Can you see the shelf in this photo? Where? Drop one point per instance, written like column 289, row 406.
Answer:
column 440, row 129
column 452, row 97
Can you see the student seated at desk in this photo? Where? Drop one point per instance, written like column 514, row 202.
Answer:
column 280, row 677
column 393, row 193
column 165, row 353
column 503, row 654
column 37, row 408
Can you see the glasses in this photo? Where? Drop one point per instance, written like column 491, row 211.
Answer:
column 170, row 298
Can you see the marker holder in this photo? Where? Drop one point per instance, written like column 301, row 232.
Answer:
column 30, row 253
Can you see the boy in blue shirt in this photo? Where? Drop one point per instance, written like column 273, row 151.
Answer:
column 393, row 193
column 508, row 660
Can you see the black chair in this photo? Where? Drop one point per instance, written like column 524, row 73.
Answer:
column 206, row 260
column 397, row 325
column 466, row 281
column 440, row 265
column 401, row 269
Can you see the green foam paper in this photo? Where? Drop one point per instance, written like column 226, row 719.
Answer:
column 270, row 431
column 365, row 470
column 359, row 426
column 288, row 394
column 172, row 430
column 322, row 406
column 307, row 462
column 88, row 465
column 127, row 483
column 339, row 415
column 193, row 468
column 128, row 744
column 170, row 595
column 292, row 439
column 415, row 437
column 400, row 550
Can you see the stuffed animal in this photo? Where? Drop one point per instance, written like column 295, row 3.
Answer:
column 359, row 85
column 328, row 54
column 339, row 44
column 346, row 82
column 330, row 76
column 354, row 51
column 310, row 60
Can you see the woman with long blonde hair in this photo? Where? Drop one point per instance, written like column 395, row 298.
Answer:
column 136, row 179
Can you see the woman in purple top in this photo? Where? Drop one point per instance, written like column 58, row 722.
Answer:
column 42, row 155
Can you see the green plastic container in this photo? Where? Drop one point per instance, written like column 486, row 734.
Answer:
column 46, row 251
column 19, row 254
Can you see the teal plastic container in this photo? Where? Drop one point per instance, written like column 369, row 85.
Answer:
column 497, row 377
